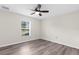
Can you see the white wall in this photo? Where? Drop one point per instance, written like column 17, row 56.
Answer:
column 10, row 25
column 62, row 29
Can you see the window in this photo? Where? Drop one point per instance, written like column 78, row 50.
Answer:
column 26, row 28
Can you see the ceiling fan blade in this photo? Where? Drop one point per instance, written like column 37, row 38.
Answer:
column 44, row 11
column 32, row 13
column 40, row 14
column 38, row 6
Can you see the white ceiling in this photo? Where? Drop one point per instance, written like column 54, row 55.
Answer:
column 54, row 9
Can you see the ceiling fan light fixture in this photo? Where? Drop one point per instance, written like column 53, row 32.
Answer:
column 37, row 13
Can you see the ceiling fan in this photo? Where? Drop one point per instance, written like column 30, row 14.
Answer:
column 38, row 10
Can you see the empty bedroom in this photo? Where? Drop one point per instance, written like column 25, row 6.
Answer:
column 39, row 29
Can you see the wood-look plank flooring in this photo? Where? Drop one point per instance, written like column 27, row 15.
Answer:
column 38, row 47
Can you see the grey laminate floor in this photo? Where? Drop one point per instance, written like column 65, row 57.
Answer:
column 38, row 47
